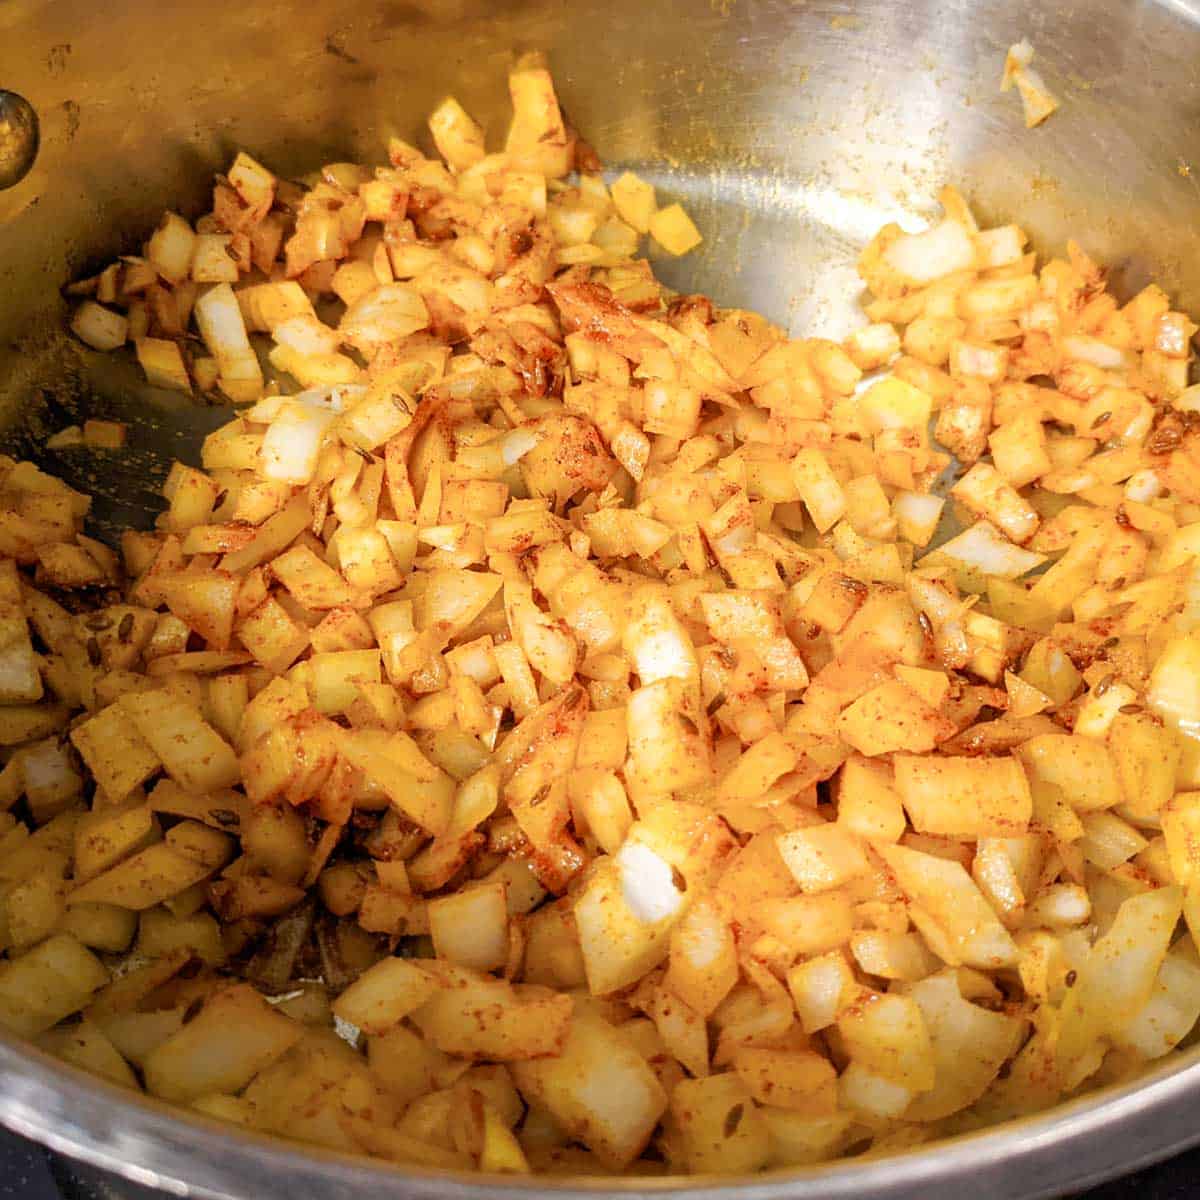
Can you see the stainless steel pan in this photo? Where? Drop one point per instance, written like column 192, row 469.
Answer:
column 793, row 129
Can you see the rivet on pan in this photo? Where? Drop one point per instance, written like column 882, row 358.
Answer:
column 18, row 138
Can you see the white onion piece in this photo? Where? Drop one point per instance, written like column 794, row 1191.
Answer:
column 385, row 315
column 1036, row 98
column 1143, row 486
column 292, row 443
column 1188, row 400
column 47, row 767
column 264, row 411
column 1000, row 246
column 331, row 399
column 306, row 335
column 923, row 257
column 1062, row 905
column 1092, row 350
column 647, row 883
column 989, row 552
column 1174, row 688
column 334, row 399
column 515, row 444
column 99, row 327
column 1174, row 335
column 221, row 325
column 1019, row 56
column 952, row 644
column 920, row 506
column 934, row 599
column 657, row 643
column 918, row 514
column 735, row 540
column 1170, row 1013
column 471, row 292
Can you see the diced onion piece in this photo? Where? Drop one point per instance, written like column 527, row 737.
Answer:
column 382, row 996
column 252, row 181
column 985, row 550
column 1036, row 98
column 470, row 928
column 1020, row 55
column 920, row 258
column 917, row 516
column 171, row 248
column 625, row 916
column 537, row 138
column 212, row 261
column 657, row 642
column 1000, row 246
column 163, row 364
column 306, row 335
column 458, row 138
column 224, row 333
column 600, row 1087
column 266, row 305
column 517, row 443
column 99, row 327
column 293, row 442
column 647, row 883
column 874, row 346
column 1083, row 348
column 1174, row 688
column 634, row 201
column 387, row 314
column 19, row 678
column 894, row 403
column 1171, row 1011
column 674, row 230
column 819, row 489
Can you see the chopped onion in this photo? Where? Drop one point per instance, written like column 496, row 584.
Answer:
column 656, row 641
column 306, row 335
column 221, row 325
column 99, row 327
column 211, row 261
column 1020, row 54
column 1062, row 905
column 1144, row 486
column 918, row 514
column 1092, row 350
column 266, row 410
column 1174, row 688
column 515, row 444
column 47, row 769
column 171, row 248
column 292, row 443
column 1188, row 400
column 1036, row 98
column 1000, row 246
column 983, row 548
column 923, row 257
column 387, row 314
column 648, row 883
column 252, row 181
